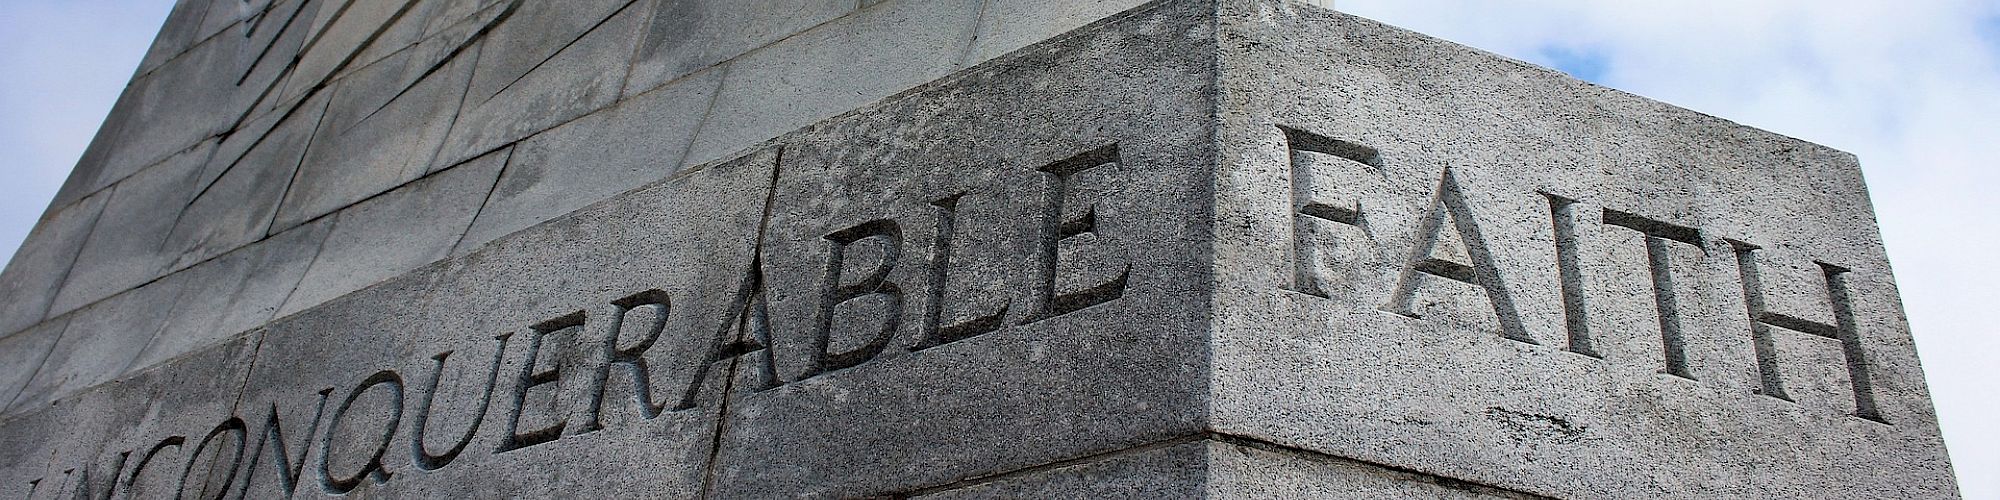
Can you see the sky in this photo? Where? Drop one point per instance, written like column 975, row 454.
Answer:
column 1912, row 87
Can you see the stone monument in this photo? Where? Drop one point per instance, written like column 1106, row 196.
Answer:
column 935, row 249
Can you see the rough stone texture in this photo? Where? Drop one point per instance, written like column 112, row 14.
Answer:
column 1374, row 353
column 237, row 292
column 31, row 280
column 244, row 183
column 549, row 63
column 375, row 240
column 1177, row 470
column 1007, row 25
column 384, row 124
column 1202, row 248
column 335, row 102
column 682, row 37
column 594, row 157
column 99, row 342
column 21, row 354
column 124, row 246
column 838, row 66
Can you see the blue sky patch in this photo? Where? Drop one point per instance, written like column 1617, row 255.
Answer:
column 1588, row 64
column 1989, row 30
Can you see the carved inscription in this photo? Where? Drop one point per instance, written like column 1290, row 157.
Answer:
column 1659, row 261
column 935, row 332
column 356, row 435
column 1058, row 227
column 1844, row 331
column 889, row 237
column 424, row 459
column 1446, row 233
column 1306, row 207
column 1449, row 247
column 652, row 308
column 1576, row 316
column 340, row 484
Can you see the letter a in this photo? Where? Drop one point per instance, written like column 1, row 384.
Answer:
column 1449, row 246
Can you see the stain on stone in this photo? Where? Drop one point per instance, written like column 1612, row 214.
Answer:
column 1524, row 426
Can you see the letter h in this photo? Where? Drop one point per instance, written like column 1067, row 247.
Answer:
column 1844, row 330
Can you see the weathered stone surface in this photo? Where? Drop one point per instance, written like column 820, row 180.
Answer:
column 641, row 140
column 1516, row 278
column 336, row 39
column 31, row 280
column 1178, row 470
column 21, row 354
column 382, row 127
column 123, row 250
column 1007, row 25
column 1228, row 248
column 139, row 437
column 1073, row 177
column 98, row 343
column 835, row 67
column 1238, row 469
column 549, row 63
column 398, row 231
column 234, row 293
column 181, row 30
column 199, row 94
column 243, row 184
column 668, row 238
column 685, row 36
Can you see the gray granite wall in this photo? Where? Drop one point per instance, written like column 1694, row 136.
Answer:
column 271, row 155
column 1220, row 248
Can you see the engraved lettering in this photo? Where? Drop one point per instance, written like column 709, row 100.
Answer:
column 231, row 425
column 746, row 330
column 1449, row 212
column 1056, row 228
column 132, row 480
column 936, row 333
column 530, row 378
column 654, row 304
column 288, row 470
column 419, row 454
column 341, row 485
column 833, row 293
column 1305, row 208
column 1659, row 259
column 84, row 488
column 1844, row 330
column 1576, row 319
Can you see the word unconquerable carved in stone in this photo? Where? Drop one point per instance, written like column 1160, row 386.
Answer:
column 238, row 455
column 1447, row 232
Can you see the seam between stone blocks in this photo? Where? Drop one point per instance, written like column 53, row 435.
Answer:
column 62, row 282
column 473, row 221
column 1421, row 476
column 726, row 65
column 306, row 45
column 756, row 258
column 7, row 409
column 1223, row 438
column 565, row 47
column 1215, row 175
column 640, row 34
column 965, row 54
column 1025, row 471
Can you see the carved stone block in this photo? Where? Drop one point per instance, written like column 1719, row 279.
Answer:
column 1221, row 248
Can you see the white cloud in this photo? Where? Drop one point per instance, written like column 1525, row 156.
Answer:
column 1913, row 88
